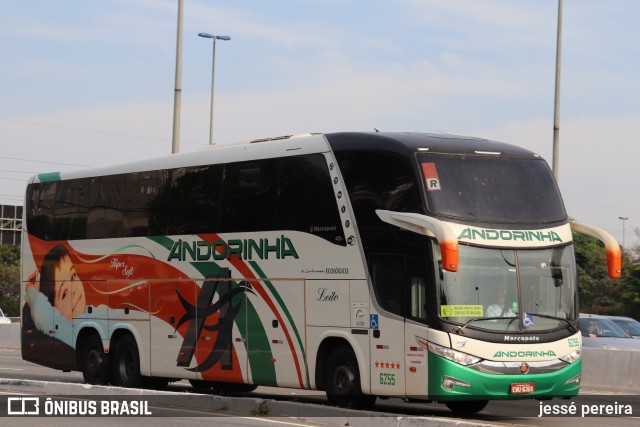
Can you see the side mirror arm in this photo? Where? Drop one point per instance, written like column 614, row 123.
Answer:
column 427, row 226
column 614, row 255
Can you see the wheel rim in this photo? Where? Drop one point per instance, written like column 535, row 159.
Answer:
column 127, row 365
column 93, row 363
column 343, row 378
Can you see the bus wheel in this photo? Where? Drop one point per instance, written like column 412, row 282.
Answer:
column 95, row 363
column 343, row 381
column 467, row 407
column 126, row 363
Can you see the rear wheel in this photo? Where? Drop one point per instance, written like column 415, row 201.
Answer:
column 126, row 363
column 95, row 363
column 467, row 407
column 343, row 380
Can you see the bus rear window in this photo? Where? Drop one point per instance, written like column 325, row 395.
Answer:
column 491, row 189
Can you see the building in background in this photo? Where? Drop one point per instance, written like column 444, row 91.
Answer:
column 10, row 224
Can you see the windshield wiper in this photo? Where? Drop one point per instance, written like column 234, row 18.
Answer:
column 460, row 328
column 570, row 327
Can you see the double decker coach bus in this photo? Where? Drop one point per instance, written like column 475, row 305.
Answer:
column 427, row 267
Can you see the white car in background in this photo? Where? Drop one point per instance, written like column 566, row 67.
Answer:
column 3, row 318
column 631, row 326
column 600, row 332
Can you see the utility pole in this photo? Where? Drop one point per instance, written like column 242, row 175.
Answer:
column 177, row 98
column 556, row 109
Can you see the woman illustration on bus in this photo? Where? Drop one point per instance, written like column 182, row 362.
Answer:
column 58, row 295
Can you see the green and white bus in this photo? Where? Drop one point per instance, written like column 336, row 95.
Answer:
column 427, row 267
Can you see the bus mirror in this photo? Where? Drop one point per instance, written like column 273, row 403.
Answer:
column 614, row 255
column 427, row 226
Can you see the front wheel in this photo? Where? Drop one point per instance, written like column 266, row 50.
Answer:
column 343, row 381
column 95, row 363
column 126, row 363
column 467, row 407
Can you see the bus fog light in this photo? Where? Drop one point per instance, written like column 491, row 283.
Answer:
column 449, row 382
column 575, row 380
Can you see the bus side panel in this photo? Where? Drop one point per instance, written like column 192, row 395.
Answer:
column 167, row 334
column 276, row 334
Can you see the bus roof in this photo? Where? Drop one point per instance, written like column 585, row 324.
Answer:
column 403, row 142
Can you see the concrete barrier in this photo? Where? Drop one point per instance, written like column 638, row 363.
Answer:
column 10, row 335
column 611, row 370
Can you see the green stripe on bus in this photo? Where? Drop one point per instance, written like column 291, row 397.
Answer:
column 263, row 370
column 163, row 241
column 275, row 293
column 49, row 176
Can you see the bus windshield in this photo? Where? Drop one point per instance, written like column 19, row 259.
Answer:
column 510, row 290
column 491, row 189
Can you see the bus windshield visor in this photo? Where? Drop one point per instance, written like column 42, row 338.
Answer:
column 491, row 189
column 510, row 290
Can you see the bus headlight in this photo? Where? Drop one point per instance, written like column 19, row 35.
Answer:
column 453, row 355
column 572, row 357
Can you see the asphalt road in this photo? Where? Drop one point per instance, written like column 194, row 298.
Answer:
column 499, row 413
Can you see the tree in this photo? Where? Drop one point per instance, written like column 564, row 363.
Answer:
column 10, row 279
column 597, row 292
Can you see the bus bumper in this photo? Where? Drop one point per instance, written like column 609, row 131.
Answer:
column 450, row 381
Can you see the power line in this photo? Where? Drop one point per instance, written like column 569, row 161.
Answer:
column 15, row 179
column 103, row 132
column 44, row 161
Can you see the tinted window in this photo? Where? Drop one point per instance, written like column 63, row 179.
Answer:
column 106, row 201
column 306, row 199
column 40, row 203
column 293, row 193
column 143, row 188
column 386, row 274
column 378, row 181
column 491, row 189
column 249, row 193
column 71, row 210
column 195, row 199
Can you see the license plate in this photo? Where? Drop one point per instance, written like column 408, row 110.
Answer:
column 522, row 388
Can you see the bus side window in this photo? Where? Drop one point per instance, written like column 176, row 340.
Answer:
column 387, row 273
column 249, row 190
column 105, row 218
column 70, row 220
column 195, row 199
column 40, row 209
column 306, row 199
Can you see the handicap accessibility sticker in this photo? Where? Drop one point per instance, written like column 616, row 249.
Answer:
column 373, row 321
column 528, row 320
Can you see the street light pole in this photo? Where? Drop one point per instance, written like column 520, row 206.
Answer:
column 623, row 230
column 177, row 97
column 213, row 75
column 556, row 109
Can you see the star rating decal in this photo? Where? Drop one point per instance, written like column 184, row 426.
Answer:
column 387, row 365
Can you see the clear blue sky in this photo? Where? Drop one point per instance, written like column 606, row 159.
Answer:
column 92, row 83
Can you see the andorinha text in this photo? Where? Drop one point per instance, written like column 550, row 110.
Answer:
column 528, row 353
column 245, row 249
column 525, row 236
